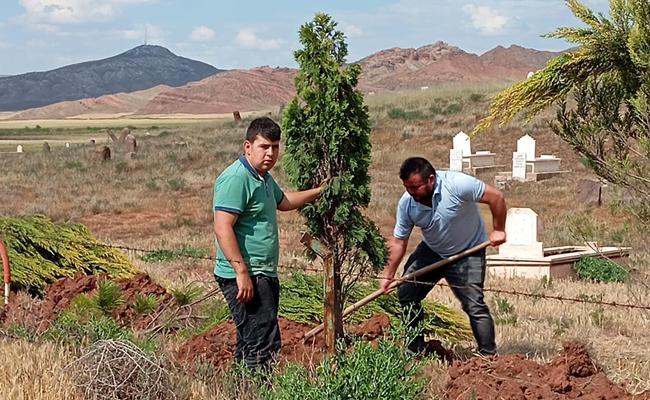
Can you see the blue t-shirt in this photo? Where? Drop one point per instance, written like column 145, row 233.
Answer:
column 454, row 223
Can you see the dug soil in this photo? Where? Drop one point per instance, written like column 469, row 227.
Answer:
column 570, row 375
column 217, row 345
column 37, row 315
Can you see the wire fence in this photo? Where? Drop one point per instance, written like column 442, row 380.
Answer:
column 305, row 269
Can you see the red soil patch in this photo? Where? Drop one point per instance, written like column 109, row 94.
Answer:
column 38, row 314
column 571, row 375
column 218, row 344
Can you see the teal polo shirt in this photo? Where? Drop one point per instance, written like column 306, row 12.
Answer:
column 454, row 222
column 240, row 190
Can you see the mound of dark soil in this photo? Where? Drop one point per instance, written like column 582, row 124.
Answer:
column 571, row 375
column 218, row 344
column 37, row 314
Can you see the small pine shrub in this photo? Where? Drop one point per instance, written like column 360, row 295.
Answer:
column 145, row 304
column 186, row 294
column 600, row 270
column 109, row 296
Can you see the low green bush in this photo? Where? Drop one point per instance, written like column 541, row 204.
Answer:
column 600, row 270
column 365, row 372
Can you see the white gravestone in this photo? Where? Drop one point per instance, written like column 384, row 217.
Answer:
column 461, row 142
column 521, row 235
column 455, row 160
column 526, row 144
column 519, row 166
column 19, row 148
column 67, row 145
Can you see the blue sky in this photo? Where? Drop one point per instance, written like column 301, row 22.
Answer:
column 38, row 35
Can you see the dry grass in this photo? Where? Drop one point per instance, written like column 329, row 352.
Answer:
column 163, row 198
column 34, row 371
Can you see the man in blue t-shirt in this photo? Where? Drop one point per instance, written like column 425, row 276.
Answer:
column 444, row 206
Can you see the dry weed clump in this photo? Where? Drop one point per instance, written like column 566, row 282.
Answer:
column 117, row 369
column 34, row 371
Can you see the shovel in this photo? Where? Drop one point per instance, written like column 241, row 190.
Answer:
column 396, row 282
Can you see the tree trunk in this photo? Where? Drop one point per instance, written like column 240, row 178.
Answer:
column 333, row 318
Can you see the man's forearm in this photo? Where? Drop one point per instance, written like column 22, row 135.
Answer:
column 397, row 249
column 499, row 211
column 298, row 199
column 230, row 248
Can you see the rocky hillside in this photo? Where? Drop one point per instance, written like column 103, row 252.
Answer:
column 109, row 105
column 397, row 68
column 140, row 68
column 237, row 90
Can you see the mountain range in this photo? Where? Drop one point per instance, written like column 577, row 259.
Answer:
column 140, row 68
column 152, row 80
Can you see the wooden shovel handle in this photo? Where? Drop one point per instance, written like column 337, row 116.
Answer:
column 396, row 282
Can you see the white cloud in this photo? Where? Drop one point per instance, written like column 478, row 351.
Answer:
column 73, row 11
column 485, row 19
column 248, row 38
column 351, row 31
column 202, row 34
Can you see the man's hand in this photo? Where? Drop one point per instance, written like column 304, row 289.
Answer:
column 245, row 286
column 385, row 282
column 497, row 238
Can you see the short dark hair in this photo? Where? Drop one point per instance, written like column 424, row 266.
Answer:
column 416, row 165
column 265, row 127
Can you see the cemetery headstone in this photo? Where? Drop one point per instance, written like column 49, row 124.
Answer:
column 461, row 142
column 19, row 148
column 526, row 144
column 103, row 153
column 521, row 235
column 455, row 160
column 519, row 166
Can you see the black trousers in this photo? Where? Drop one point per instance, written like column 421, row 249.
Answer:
column 466, row 277
column 258, row 333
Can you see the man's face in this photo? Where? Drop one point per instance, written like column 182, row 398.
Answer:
column 419, row 188
column 262, row 153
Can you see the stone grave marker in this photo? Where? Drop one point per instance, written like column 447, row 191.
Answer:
column 526, row 144
column 519, row 166
column 521, row 235
column 462, row 142
column 19, row 148
column 103, row 153
column 455, row 160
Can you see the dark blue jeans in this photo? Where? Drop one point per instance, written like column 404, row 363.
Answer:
column 258, row 333
column 466, row 277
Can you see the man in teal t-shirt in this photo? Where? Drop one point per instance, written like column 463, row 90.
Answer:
column 246, row 198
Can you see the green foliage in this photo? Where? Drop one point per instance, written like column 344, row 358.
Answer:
column 170, row 255
column 398, row 113
column 302, row 301
column 365, row 372
column 71, row 327
column 503, row 311
column 327, row 130
column 608, row 76
column 186, row 293
column 109, row 296
column 600, row 270
column 215, row 310
column 41, row 252
column 145, row 304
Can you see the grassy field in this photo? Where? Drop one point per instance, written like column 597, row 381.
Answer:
column 162, row 199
